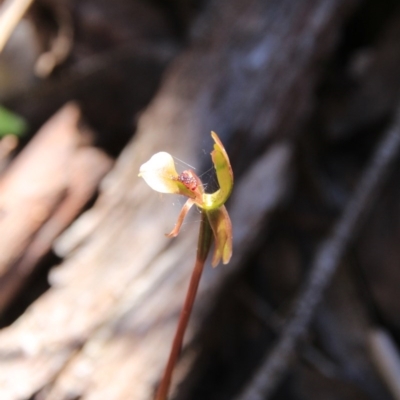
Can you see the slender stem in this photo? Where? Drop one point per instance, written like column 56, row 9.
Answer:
column 203, row 247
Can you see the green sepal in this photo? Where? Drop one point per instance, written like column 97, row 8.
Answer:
column 224, row 173
column 222, row 231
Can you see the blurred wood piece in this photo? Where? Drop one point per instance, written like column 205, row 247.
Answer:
column 41, row 193
column 386, row 356
column 11, row 12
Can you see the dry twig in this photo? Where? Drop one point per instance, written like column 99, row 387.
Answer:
column 325, row 264
column 11, row 12
column 386, row 359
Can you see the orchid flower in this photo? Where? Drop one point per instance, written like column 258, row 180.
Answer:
column 161, row 175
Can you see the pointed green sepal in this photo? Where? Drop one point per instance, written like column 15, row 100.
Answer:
column 224, row 173
column 222, row 229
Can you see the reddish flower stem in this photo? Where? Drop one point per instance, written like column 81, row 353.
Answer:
column 203, row 247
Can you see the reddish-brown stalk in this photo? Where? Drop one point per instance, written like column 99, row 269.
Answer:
column 203, row 247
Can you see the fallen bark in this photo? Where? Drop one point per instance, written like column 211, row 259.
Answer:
column 42, row 192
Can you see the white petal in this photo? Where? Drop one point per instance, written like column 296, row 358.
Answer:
column 160, row 173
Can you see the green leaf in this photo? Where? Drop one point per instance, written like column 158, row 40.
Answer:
column 11, row 124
